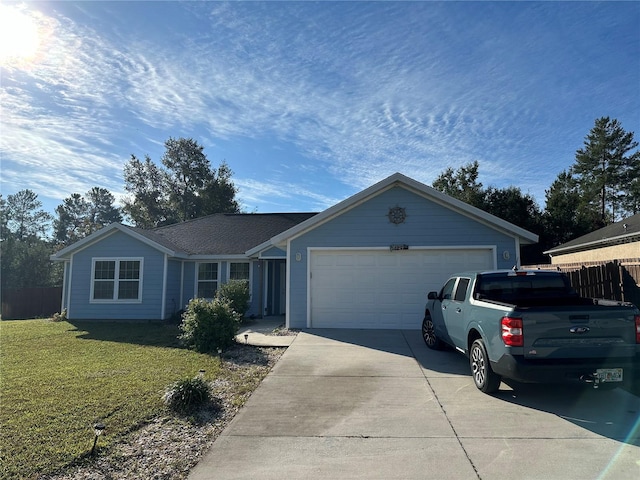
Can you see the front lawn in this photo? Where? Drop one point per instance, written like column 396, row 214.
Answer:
column 58, row 379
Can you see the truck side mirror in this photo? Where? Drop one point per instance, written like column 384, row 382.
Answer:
column 432, row 295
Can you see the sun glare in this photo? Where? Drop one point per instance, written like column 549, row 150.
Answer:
column 19, row 38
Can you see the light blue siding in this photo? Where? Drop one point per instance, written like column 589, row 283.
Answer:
column 117, row 245
column 273, row 252
column 189, row 279
column 427, row 224
column 256, row 275
column 172, row 305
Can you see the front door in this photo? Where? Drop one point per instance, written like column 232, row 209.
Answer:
column 283, row 289
column 275, row 287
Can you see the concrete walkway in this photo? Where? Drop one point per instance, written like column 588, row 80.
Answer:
column 353, row 404
column 260, row 332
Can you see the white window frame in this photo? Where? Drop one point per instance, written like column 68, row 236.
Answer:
column 197, row 280
column 250, row 279
column 116, row 280
column 238, row 262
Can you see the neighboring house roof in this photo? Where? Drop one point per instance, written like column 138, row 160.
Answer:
column 397, row 179
column 624, row 231
column 217, row 234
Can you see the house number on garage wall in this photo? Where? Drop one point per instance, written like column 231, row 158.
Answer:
column 397, row 215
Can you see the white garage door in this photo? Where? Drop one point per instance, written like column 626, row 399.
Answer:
column 380, row 288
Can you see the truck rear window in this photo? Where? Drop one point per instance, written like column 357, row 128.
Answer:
column 507, row 288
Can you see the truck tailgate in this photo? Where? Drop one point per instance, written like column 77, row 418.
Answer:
column 578, row 332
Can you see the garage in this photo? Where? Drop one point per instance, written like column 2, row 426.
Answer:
column 382, row 288
column 369, row 261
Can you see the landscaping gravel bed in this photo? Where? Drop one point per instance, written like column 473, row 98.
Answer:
column 168, row 447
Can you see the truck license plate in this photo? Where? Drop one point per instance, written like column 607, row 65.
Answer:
column 609, row 374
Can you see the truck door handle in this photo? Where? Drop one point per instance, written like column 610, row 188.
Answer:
column 458, row 310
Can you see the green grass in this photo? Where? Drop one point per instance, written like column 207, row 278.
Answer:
column 58, row 379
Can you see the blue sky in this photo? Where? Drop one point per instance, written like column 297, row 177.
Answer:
column 310, row 102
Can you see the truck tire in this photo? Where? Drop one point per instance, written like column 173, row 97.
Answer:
column 429, row 334
column 484, row 377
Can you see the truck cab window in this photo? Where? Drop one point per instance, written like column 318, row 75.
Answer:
column 461, row 291
column 447, row 291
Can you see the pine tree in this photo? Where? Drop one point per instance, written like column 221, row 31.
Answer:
column 605, row 170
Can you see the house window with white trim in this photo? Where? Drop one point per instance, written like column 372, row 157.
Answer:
column 207, row 280
column 116, row 280
column 239, row 271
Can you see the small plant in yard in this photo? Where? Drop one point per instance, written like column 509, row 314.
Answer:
column 236, row 292
column 60, row 317
column 208, row 326
column 60, row 379
column 187, row 395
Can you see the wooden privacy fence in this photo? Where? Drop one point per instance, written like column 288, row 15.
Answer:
column 31, row 302
column 617, row 280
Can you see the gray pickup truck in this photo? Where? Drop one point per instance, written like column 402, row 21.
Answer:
column 531, row 326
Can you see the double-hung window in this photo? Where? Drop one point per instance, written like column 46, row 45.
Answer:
column 239, row 271
column 207, row 280
column 116, row 280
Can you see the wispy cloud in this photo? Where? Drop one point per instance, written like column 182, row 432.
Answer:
column 360, row 90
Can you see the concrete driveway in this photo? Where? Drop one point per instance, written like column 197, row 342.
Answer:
column 377, row 404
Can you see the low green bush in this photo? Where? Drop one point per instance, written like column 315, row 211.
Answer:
column 236, row 292
column 208, row 326
column 186, row 395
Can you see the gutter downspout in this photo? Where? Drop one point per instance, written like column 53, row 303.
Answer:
column 69, row 287
column 181, row 285
column 261, row 288
column 164, row 288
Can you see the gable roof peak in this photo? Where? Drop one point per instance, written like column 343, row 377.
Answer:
column 399, row 179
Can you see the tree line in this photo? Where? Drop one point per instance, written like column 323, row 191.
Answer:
column 602, row 186
column 184, row 186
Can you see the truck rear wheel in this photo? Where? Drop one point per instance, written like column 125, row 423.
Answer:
column 484, row 377
column 429, row 334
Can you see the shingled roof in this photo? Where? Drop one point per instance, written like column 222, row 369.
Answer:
column 223, row 233
column 624, row 231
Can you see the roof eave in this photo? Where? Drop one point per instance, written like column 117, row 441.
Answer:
column 255, row 251
column 397, row 179
column 589, row 245
column 110, row 229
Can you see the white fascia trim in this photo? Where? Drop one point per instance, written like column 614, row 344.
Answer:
column 259, row 248
column 481, row 216
column 323, row 217
column 421, row 189
column 218, row 258
column 103, row 233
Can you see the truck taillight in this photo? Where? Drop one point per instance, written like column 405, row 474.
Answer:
column 637, row 317
column 512, row 331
